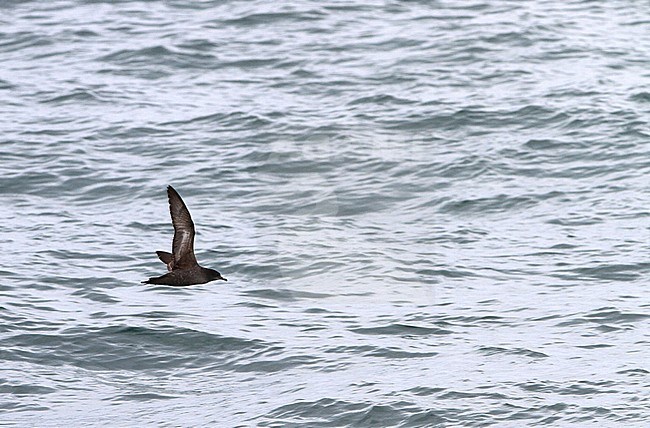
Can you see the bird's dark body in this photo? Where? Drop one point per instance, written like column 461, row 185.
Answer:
column 182, row 277
column 183, row 269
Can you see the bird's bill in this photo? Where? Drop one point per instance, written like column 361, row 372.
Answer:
column 223, row 278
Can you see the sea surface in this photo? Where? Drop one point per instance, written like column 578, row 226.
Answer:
column 430, row 214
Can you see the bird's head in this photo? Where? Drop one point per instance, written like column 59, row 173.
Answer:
column 213, row 275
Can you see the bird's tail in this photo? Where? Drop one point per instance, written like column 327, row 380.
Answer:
column 150, row 281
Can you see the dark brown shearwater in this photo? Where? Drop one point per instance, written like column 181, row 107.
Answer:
column 181, row 263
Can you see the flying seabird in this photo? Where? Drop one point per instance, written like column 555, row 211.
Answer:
column 181, row 262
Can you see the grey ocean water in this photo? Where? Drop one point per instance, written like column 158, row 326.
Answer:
column 430, row 213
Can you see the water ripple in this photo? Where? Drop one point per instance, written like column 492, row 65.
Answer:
column 428, row 213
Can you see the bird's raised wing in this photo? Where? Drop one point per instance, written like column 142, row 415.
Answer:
column 183, row 243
